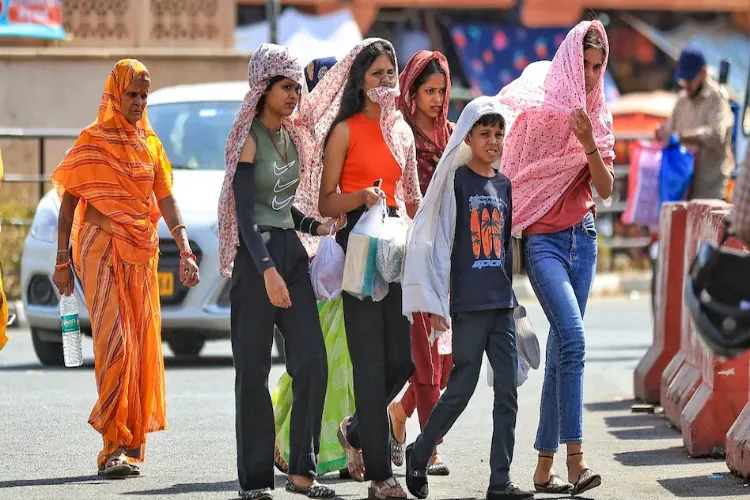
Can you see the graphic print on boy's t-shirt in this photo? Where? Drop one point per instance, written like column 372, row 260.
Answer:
column 487, row 224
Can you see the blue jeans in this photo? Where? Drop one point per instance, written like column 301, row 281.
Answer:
column 561, row 269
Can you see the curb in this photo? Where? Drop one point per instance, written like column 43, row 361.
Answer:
column 605, row 285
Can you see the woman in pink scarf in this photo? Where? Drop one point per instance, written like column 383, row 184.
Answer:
column 424, row 101
column 260, row 249
column 561, row 143
column 369, row 155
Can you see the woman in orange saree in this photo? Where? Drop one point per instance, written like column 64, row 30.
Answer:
column 115, row 184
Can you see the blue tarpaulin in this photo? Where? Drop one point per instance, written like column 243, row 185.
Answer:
column 493, row 56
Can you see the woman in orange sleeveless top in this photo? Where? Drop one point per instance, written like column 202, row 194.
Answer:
column 369, row 155
column 114, row 185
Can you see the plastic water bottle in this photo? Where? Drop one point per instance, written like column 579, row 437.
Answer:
column 71, row 331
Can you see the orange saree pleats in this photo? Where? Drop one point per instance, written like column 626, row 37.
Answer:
column 123, row 301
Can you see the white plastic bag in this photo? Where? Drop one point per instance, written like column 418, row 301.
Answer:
column 390, row 261
column 522, row 372
column 361, row 277
column 327, row 269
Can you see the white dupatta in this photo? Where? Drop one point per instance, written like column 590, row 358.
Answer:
column 427, row 260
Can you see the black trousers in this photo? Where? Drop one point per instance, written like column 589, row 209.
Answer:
column 474, row 333
column 252, row 319
column 379, row 341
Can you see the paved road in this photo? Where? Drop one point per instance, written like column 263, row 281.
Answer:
column 49, row 451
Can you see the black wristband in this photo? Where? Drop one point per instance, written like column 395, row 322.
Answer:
column 594, row 151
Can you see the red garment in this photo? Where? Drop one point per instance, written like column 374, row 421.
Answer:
column 429, row 149
column 432, row 368
column 572, row 206
column 431, row 374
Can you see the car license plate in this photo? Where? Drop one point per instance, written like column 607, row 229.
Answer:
column 166, row 284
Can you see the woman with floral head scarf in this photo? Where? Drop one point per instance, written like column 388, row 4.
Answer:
column 270, row 278
column 369, row 155
column 114, row 184
column 339, row 401
column 560, row 144
column 424, row 101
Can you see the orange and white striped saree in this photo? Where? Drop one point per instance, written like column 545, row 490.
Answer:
column 121, row 170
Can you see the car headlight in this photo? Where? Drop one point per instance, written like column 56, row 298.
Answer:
column 44, row 227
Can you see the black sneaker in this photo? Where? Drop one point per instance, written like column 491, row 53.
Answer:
column 512, row 492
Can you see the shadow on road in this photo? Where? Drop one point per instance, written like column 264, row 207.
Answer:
column 53, row 481
column 720, row 484
column 618, row 405
column 181, row 488
column 674, row 455
column 641, row 426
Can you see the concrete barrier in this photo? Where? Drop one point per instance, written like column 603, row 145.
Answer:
column 723, row 391
column 683, row 375
column 668, row 304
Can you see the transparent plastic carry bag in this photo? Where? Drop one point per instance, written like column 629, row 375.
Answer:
column 327, row 269
column 390, row 261
column 522, row 372
column 361, row 277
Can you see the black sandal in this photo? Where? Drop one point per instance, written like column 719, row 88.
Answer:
column 587, row 479
column 135, row 471
column 416, row 479
column 317, row 490
column 397, row 447
column 260, row 494
column 437, row 468
column 555, row 485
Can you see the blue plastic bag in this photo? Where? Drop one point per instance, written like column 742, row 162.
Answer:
column 676, row 173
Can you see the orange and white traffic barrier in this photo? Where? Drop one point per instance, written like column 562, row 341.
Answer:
column 668, row 303
column 723, row 391
column 683, row 375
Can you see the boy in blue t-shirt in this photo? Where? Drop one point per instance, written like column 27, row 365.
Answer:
column 469, row 226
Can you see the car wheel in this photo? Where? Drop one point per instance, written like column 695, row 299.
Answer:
column 187, row 345
column 278, row 339
column 49, row 352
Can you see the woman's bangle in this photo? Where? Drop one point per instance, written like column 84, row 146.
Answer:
column 189, row 255
column 594, row 151
column 60, row 267
column 177, row 227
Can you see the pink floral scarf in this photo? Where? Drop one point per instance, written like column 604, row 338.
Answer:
column 318, row 112
column 542, row 156
column 267, row 62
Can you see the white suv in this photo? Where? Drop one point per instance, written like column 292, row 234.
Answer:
column 193, row 122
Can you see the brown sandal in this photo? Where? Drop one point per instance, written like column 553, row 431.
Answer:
column 354, row 460
column 555, row 485
column 279, row 462
column 386, row 490
column 117, row 467
column 587, row 479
